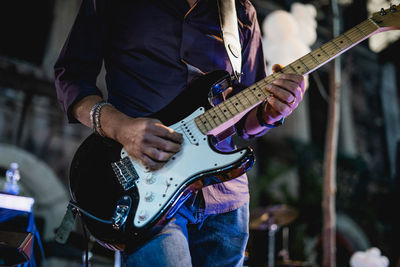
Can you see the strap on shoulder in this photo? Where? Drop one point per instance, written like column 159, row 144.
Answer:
column 230, row 34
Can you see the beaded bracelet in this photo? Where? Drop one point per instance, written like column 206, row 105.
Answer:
column 95, row 117
column 261, row 120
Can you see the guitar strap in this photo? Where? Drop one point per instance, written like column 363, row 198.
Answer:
column 230, row 34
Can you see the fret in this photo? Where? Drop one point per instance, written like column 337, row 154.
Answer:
column 373, row 24
column 298, row 67
column 330, row 49
column 264, row 91
column 293, row 69
column 302, row 62
column 210, row 120
column 261, row 95
column 231, row 108
column 327, row 57
column 254, row 93
column 273, row 76
column 249, row 96
column 199, row 125
column 337, row 47
column 342, row 43
column 202, row 123
column 269, row 79
column 220, row 112
column 311, row 55
column 238, row 104
column 244, row 97
column 354, row 35
column 288, row 70
column 219, row 109
column 345, row 35
column 319, row 55
column 215, row 116
column 358, row 28
column 368, row 27
column 225, row 109
column 312, row 62
column 234, row 104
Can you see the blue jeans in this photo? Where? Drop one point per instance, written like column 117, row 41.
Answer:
column 193, row 239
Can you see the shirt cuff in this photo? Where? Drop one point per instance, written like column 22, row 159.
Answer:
column 241, row 131
column 74, row 94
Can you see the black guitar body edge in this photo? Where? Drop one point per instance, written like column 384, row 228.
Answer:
column 96, row 190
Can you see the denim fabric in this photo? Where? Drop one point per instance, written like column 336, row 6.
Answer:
column 194, row 239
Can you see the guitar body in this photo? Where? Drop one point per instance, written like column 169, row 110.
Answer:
column 122, row 203
column 133, row 203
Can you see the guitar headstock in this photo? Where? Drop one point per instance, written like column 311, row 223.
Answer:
column 388, row 19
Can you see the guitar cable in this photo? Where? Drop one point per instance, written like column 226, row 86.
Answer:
column 86, row 237
column 89, row 214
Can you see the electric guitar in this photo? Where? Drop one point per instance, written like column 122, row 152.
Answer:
column 120, row 201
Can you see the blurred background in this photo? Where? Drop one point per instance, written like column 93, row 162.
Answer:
column 286, row 181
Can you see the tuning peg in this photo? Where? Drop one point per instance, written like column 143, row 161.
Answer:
column 393, row 8
column 383, row 12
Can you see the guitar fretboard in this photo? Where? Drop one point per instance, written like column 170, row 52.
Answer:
column 227, row 113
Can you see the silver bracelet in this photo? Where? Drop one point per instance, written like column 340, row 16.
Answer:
column 95, row 117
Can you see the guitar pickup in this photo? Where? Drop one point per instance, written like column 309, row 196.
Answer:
column 190, row 133
column 125, row 172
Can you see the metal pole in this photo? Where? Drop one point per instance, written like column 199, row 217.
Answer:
column 329, row 185
column 271, row 244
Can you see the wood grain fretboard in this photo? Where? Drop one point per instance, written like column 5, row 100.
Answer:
column 227, row 113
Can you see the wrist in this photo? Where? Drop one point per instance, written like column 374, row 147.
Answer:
column 95, row 117
column 261, row 118
column 250, row 126
column 112, row 121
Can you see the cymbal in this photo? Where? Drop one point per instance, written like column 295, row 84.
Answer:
column 262, row 218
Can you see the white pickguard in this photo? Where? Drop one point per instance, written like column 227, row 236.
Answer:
column 196, row 156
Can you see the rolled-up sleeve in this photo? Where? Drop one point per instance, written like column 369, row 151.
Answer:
column 81, row 57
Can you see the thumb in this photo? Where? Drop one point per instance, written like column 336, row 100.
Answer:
column 277, row 68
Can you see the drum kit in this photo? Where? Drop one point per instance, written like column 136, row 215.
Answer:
column 272, row 219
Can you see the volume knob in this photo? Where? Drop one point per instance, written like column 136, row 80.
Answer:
column 150, row 178
column 149, row 196
column 143, row 215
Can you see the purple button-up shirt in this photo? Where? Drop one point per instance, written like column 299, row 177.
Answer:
column 151, row 49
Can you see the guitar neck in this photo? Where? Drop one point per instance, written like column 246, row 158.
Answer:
column 227, row 113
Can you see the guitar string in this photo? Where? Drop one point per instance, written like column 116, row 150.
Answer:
column 327, row 50
column 307, row 58
column 330, row 48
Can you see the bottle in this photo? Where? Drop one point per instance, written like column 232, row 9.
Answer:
column 12, row 177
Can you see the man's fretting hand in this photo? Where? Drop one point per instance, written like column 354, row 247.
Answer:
column 287, row 92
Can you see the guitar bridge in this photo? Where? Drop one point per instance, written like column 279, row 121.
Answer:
column 125, row 173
